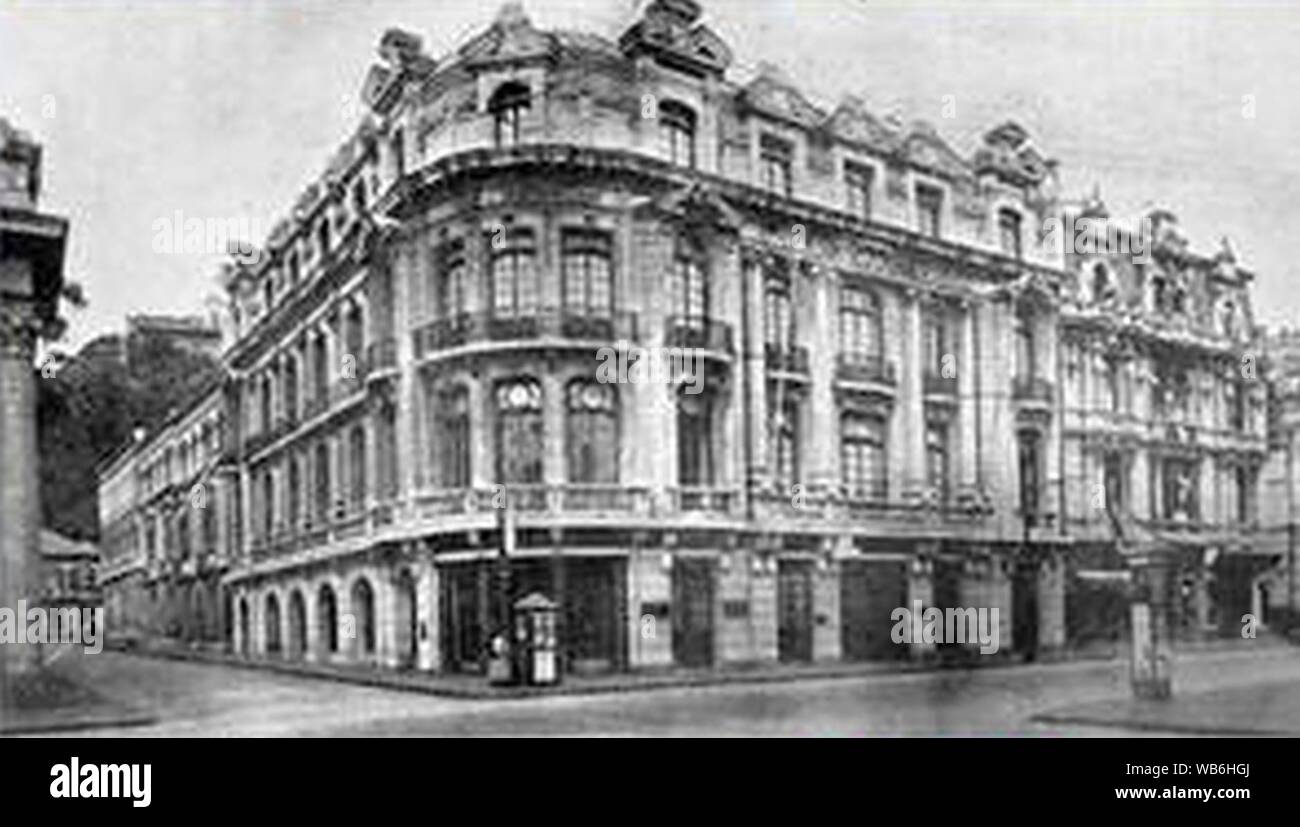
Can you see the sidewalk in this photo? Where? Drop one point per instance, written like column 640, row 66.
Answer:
column 476, row 686
column 48, row 701
column 1265, row 710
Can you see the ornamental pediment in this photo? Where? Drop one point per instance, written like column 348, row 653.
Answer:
column 852, row 122
column 771, row 94
column 923, row 147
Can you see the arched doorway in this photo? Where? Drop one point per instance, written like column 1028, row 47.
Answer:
column 244, row 631
column 363, row 608
column 405, row 617
column 327, row 620
column 272, row 625
column 297, row 625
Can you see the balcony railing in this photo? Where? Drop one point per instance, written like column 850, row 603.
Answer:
column 702, row 498
column 557, row 323
column 1031, row 389
column 786, row 359
column 865, row 367
column 699, row 332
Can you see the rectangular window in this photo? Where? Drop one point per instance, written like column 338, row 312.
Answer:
column 1179, row 489
column 588, row 273
column 451, row 286
column 929, row 210
column 936, row 457
column 514, row 276
column 857, row 180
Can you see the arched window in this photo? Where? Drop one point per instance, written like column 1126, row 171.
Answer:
column 290, row 381
column 321, row 369
column 520, row 445
column 357, row 465
column 363, row 607
column 322, row 469
column 514, row 276
column 507, row 106
column 453, row 435
column 592, row 437
column 689, row 285
column 295, row 492
column 862, row 456
column 860, row 328
column 272, row 625
column 268, row 503
column 297, row 625
column 588, row 274
column 327, row 622
column 695, row 461
column 677, row 133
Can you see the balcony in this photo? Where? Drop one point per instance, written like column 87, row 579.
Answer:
column 1031, row 389
column 865, row 367
column 699, row 333
column 544, row 323
column 788, row 359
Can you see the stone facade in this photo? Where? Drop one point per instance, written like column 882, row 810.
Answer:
column 872, row 411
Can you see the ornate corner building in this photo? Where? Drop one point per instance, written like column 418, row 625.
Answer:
column 872, row 393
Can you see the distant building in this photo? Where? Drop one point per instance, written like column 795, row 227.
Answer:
column 193, row 333
column 68, row 572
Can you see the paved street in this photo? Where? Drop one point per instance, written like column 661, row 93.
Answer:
column 207, row 700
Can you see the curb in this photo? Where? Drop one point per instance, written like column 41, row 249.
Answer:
column 651, row 682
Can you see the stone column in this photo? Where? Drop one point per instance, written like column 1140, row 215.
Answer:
column 20, row 509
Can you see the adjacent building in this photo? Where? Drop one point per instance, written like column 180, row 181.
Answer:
column 749, row 372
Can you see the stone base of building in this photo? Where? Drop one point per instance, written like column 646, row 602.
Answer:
column 675, row 604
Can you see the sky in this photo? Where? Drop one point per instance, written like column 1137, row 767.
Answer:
column 228, row 108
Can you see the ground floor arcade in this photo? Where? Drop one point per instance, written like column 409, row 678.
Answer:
column 693, row 602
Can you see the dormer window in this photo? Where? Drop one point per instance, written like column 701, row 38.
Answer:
column 929, row 209
column 508, row 105
column 776, row 161
column 1009, row 233
column 677, row 133
column 857, row 182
